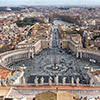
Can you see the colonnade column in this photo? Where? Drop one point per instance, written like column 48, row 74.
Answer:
column 29, row 54
column 80, row 54
column 77, row 55
column 32, row 53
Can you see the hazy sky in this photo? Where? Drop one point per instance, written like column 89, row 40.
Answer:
column 49, row 2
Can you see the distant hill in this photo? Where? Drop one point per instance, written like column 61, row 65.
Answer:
column 4, row 9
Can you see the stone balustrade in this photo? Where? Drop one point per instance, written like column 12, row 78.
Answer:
column 41, row 81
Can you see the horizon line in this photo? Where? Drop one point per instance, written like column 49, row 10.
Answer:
column 53, row 5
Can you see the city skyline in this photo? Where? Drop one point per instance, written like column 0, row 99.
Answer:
column 49, row 2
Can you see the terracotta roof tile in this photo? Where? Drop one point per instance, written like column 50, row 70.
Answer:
column 4, row 73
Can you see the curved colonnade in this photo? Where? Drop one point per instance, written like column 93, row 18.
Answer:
column 89, row 54
column 13, row 56
column 81, row 52
column 26, row 51
column 22, row 52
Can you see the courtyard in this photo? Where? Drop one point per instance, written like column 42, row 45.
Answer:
column 68, row 66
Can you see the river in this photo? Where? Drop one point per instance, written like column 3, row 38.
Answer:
column 57, row 21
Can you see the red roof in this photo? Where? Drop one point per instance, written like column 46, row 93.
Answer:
column 4, row 73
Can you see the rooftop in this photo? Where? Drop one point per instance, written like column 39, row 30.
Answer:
column 4, row 73
column 4, row 91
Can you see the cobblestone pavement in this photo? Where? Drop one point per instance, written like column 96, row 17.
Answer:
column 67, row 62
column 68, row 65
